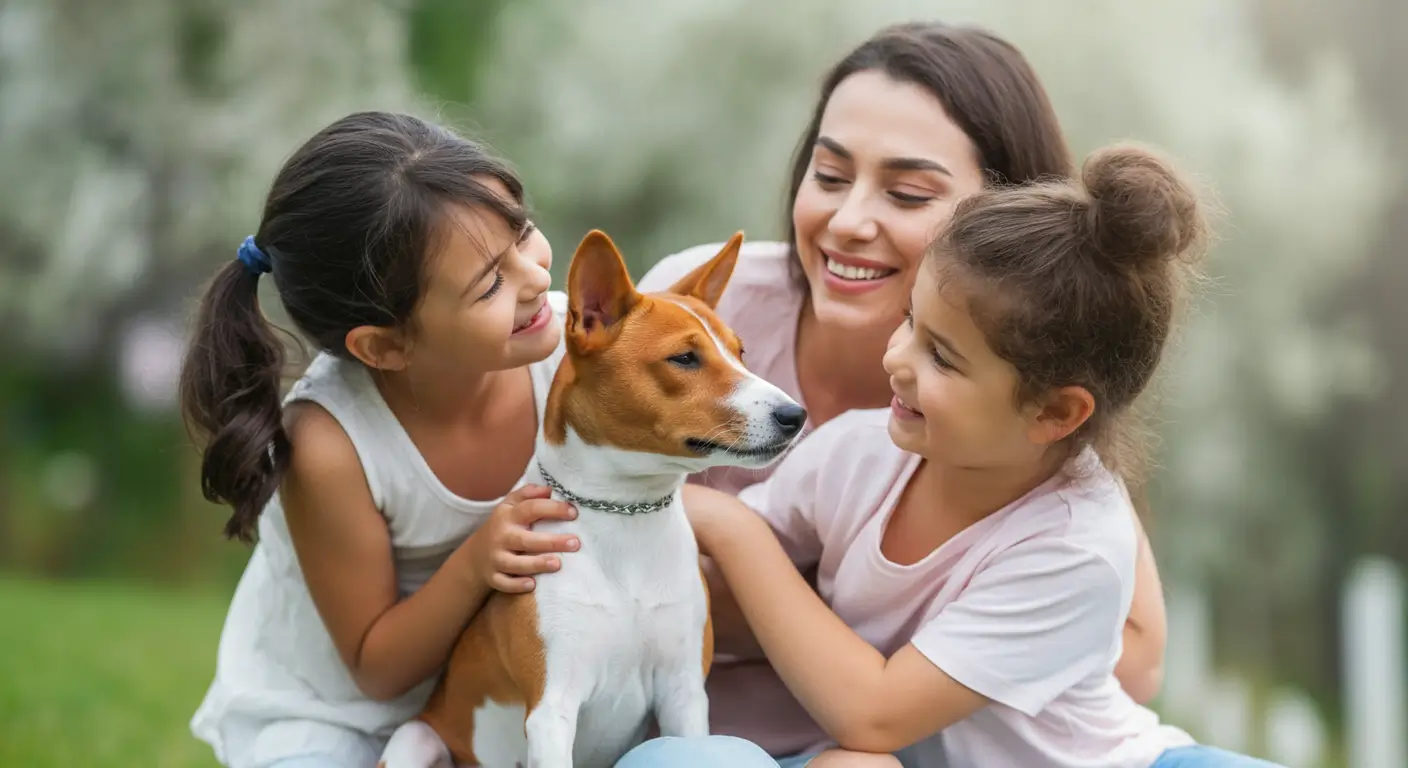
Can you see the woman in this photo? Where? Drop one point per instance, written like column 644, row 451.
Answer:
column 914, row 119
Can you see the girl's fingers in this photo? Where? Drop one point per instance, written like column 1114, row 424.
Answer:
column 510, row 584
column 528, row 512
column 529, row 542
column 525, row 492
column 528, row 565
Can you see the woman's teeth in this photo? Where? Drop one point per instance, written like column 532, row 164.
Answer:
column 856, row 273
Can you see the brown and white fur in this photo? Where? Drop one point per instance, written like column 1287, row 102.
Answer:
column 652, row 388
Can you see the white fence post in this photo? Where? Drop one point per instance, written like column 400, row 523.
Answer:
column 1376, row 716
column 1295, row 735
column 1188, row 658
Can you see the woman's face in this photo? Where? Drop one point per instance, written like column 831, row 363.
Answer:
column 886, row 170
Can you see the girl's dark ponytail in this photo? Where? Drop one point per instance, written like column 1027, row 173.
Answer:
column 347, row 227
column 230, row 391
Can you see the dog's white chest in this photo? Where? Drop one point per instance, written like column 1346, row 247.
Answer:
column 622, row 625
column 631, row 598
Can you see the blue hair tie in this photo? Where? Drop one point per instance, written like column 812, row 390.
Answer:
column 254, row 259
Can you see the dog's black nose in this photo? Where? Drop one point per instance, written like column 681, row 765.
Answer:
column 790, row 418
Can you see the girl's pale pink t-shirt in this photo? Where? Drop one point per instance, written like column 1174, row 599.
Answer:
column 1026, row 607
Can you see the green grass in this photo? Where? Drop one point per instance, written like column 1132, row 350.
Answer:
column 97, row 675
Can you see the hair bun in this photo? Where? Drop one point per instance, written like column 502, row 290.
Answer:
column 1142, row 212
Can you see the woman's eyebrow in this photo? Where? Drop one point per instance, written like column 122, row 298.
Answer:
column 893, row 163
column 916, row 164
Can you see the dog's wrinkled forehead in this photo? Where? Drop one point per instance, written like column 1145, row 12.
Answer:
column 669, row 325
column 703, row 319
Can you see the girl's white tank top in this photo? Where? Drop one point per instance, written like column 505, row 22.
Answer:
column 280, row 687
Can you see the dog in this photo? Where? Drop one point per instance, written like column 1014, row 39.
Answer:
column 652, row 387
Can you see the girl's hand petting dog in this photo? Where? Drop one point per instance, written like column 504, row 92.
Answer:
column 715, row 516
column 506, row 553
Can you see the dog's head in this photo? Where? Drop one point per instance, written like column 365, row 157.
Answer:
column 659, row 373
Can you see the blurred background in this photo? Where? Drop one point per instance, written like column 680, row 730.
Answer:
column 137, row 140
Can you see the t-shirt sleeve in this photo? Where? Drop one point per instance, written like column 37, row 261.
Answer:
column 1031, row 624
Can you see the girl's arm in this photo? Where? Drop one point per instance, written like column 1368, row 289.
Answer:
column 732, row 634
column 864, row 701
column 1141, row 666
column 1025, row 628
column 344, row 550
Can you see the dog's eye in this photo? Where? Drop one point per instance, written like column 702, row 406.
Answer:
column 686, row 360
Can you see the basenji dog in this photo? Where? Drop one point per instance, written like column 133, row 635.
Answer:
column 652, row 387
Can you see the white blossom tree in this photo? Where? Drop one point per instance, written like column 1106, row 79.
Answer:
column 137, row 140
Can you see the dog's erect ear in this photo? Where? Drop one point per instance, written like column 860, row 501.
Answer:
column 599, row 291
column 708, row 280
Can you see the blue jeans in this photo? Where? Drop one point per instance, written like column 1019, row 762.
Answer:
column 706, row 752
column 733, row 752
column 668, row 752
column 308, row 761
column 1199, row 756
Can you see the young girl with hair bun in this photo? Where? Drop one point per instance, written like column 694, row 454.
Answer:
column 974, row 544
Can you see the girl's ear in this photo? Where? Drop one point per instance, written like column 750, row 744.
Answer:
column 1061, row 413
column 378, row 348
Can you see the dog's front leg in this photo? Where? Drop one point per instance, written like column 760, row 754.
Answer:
column 681, row 705
column 551, row 728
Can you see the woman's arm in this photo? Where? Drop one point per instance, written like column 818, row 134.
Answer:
column 864, row 701
column 344, row 550
column 1140, row 669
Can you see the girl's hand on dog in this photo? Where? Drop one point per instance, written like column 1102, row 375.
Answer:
column 714, row 515
column 506, row 553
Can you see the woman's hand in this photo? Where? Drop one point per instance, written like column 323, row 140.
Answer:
column 505, row 553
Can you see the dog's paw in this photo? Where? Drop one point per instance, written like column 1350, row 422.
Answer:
column 416, row 745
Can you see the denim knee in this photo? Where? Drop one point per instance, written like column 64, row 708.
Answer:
column 309, row 761
column 1201, row 756
column 703, row 752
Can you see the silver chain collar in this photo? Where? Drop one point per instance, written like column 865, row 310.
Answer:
column 636, row 508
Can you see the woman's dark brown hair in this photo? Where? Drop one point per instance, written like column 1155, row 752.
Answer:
column 347, row 226
column 984, row 84
column 1078, row 283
